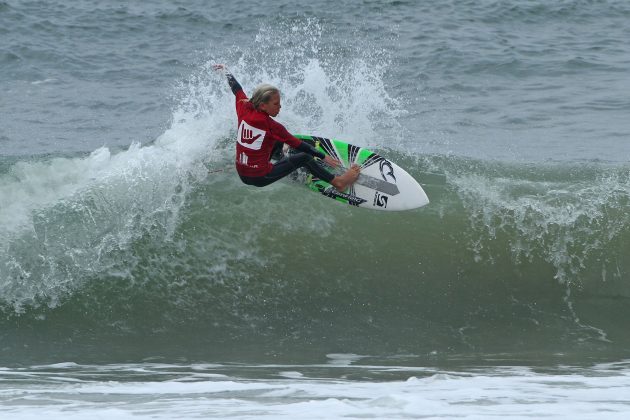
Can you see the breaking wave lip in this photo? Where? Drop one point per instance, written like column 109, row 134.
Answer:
column 574, row 222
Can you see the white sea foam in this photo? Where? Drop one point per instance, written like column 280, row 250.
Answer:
column 599, row 392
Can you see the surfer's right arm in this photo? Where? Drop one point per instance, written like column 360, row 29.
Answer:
column 234, row 85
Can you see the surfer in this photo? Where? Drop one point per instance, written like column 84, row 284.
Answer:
column 259, row 136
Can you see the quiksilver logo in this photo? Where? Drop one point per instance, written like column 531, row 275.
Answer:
column 250, row 137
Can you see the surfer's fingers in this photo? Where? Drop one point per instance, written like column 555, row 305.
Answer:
column 333, row 162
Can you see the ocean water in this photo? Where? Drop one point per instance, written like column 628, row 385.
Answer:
column 140, row 278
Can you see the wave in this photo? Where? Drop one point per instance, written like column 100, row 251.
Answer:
column 535, row 251
column 163, row 241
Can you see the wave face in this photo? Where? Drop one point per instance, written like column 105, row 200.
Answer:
column 160, row 250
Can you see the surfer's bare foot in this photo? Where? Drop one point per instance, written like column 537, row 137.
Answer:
column 342, row 182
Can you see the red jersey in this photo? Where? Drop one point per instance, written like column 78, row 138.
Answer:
column 257, row 134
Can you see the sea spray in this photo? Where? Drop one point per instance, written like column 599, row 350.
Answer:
column 81, row 213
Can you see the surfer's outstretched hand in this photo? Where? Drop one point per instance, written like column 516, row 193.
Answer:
column 218, row 67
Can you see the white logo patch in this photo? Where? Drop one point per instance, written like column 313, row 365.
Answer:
column 250, row 137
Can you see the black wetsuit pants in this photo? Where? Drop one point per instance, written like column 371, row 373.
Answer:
column 285, row 166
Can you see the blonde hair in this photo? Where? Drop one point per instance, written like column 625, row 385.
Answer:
column 263, row 94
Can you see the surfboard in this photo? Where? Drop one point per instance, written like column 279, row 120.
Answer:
column 382, row 185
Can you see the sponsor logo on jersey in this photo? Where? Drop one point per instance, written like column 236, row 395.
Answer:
column 250, row 137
